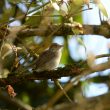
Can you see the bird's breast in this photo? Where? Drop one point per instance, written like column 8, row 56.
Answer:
column 55, row 61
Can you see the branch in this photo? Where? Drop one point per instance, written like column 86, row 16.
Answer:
column 57, row 30
column 83, row 103
column 66, row 29
column 69, row 70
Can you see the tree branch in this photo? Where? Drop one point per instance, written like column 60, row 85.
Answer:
column 94, row 103
column 66, row 29
column 69, row 70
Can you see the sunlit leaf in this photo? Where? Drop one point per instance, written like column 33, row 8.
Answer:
column 58, row 18
column 85, row 86
column 81, row 42
column 64, row 8
column 78, row 2
column 66, row 58
column 101, row 7
column 75, row 7
column 78, row 18
column 55, row 5
column 65, row 54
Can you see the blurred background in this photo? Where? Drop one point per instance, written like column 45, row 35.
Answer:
column 76, row 48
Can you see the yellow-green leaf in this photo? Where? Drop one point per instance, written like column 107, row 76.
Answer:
column 102, row 8
column 55, row 5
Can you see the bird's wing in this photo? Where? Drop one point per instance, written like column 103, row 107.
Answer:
column 45, row 57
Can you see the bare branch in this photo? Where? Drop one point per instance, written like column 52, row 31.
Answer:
column 102, row 55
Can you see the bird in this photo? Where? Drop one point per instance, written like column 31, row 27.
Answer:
column 49, row 60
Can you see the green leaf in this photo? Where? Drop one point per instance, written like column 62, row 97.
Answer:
column 75, row 6
column 78, row 18
column 6, row 15
column 34, row 20
column 85, row 86
column 66, row 58
column 102, row 8
column 15, row 1
column 65, row 55
column 81, row 42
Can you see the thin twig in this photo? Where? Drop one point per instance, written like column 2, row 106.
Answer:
column 102, row 55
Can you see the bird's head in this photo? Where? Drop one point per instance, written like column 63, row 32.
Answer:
column 55, row 47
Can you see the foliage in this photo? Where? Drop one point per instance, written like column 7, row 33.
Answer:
column 18, row 55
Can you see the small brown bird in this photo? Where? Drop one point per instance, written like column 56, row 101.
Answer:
column 49, row 59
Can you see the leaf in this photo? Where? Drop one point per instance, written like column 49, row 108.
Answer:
column 34, row 20
column 101, row 7
column 58, row 18
column 10, row 13
column 66, row 58
column 78, row 18
column 14, row 1
column 81, row 42
column 55, row 5
column 65, row 55
column 64, row 8
column 85, row 86
column 6, row 15
column 77, row 2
